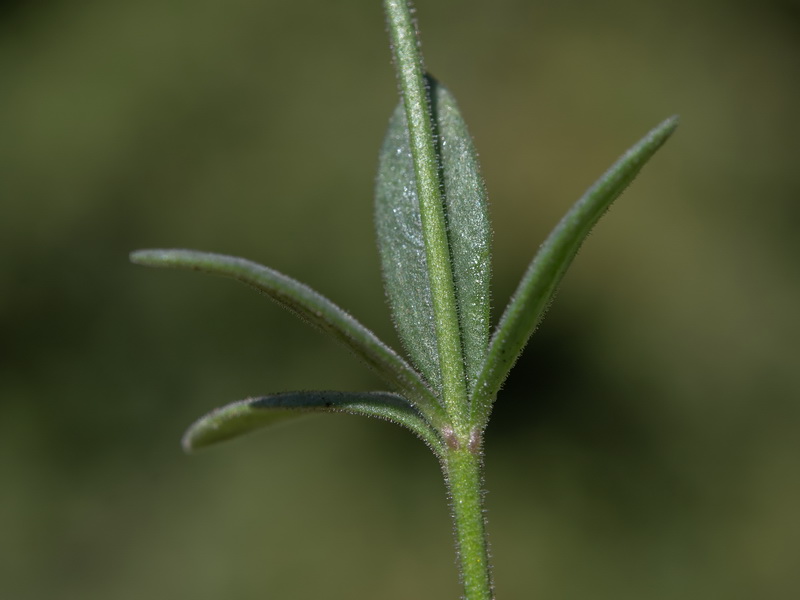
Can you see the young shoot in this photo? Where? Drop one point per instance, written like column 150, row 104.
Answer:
column 434, row 240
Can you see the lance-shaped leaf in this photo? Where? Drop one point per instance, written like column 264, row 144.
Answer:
column 538, row 285
column 400, row 238
column 244, row 416
column 313, row 308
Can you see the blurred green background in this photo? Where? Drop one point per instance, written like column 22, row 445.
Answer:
column 647, row 444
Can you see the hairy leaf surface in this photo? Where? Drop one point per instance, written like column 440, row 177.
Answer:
column 401, row 244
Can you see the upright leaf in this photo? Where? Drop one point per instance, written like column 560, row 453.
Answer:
column 544, row 273
column 401, row 242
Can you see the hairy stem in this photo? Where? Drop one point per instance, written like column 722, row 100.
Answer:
column 463, row 466
column 411, row 79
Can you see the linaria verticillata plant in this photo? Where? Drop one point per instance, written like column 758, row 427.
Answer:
column 434, row 240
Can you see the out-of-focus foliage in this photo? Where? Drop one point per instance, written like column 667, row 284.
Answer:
column 646, row 446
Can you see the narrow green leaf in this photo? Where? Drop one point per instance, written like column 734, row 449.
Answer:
column 401, row 244
column 244, row 416
column 313, row 308
column 538, row 285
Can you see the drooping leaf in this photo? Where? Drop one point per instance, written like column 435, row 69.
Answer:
column 311, row 307
column 244, row 416
column 401, row 244
column 540, row 281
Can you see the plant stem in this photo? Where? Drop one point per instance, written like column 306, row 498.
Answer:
column 463, row 466
column 411, row 79
column 462, row 461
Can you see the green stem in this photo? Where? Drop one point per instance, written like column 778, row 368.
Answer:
column 411, row 78
column 462, row 460
column 463, row 466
